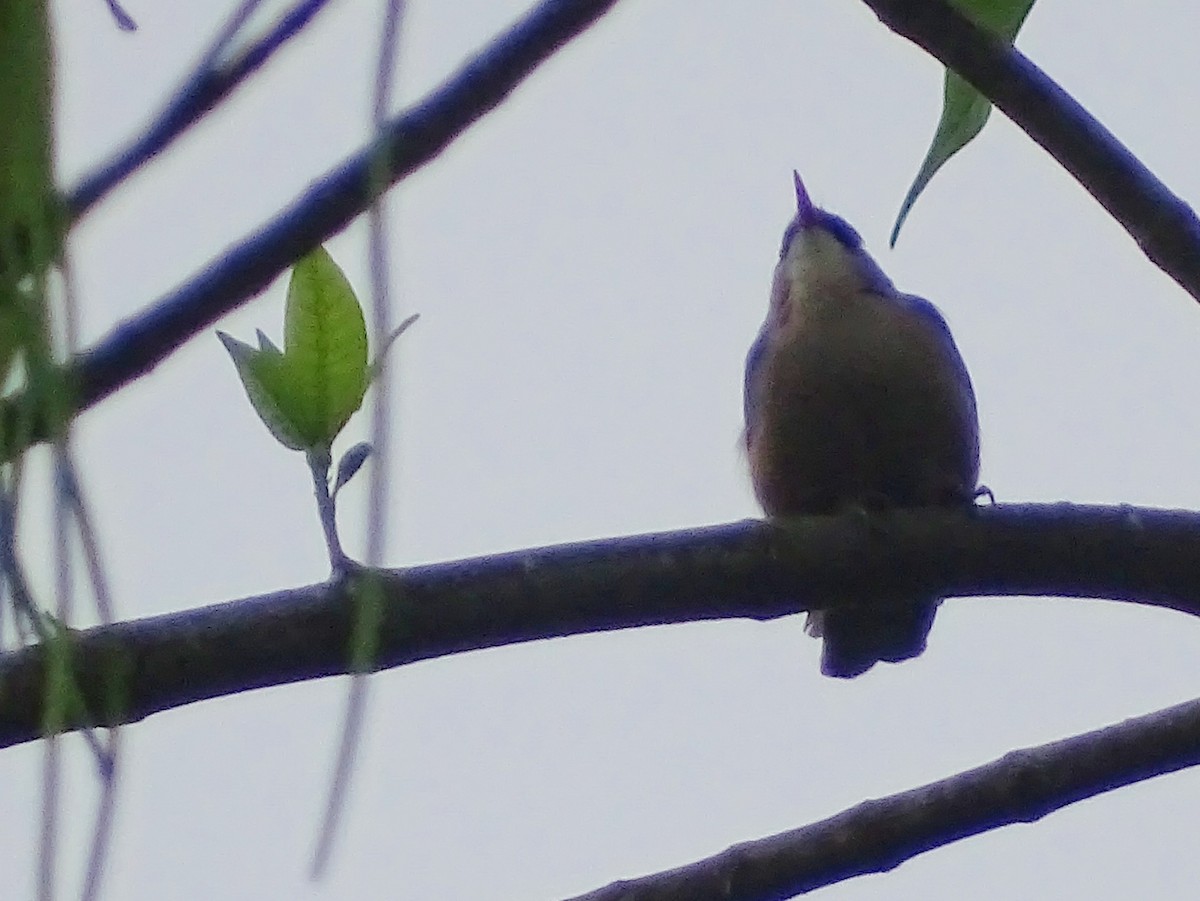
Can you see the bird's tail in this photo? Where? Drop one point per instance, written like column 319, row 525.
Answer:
column 859, row 636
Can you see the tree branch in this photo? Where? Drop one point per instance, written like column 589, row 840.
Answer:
column 130, row 670
column 877, row 836
column 1162, row 224
column 213, row 81
column 406, row 144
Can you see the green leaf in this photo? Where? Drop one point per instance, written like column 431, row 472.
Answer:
column 325, row 348
column 305, row 393
column 31, row 220
column 265, row 343
column 262, row 372
column 28, row 228
column 964, row 109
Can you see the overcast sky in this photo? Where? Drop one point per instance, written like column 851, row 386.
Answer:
column 590, row 263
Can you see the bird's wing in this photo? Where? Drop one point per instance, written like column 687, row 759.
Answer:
column 752, row 389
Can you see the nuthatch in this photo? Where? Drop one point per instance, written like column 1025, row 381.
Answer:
column 855, row 398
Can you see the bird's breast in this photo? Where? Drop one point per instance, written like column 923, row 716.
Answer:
column 860, row 404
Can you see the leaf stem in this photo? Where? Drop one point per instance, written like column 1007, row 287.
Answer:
column 319, row 462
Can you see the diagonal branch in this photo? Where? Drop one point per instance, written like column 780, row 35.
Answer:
column 404, row 145
column 213, row 81
column 877, row 836
column 130, row 670
column 1163, row 225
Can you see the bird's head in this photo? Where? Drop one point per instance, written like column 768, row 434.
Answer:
column 822, row 257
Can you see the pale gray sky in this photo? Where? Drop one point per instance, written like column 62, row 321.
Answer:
column 590, row 263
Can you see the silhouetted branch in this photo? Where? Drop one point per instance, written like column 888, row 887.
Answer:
column 877, row 836
column 130, row 670
column 213, row 81
column 1163, row 225
column 408, row 142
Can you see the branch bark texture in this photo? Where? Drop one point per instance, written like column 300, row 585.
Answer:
column 753, row 570
column 877, row 836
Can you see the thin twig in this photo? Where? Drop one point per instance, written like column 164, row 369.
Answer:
column 203, row 90
column 877, row 836
column 318, row 466
column 377, row 520
column 106, row 810
column 47, row 856
column 73, row 491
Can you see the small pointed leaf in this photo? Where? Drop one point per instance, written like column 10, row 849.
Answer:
column 262, row 374
column 381, row 354
column 964, row 109
column 351, row 463
column 265, row 343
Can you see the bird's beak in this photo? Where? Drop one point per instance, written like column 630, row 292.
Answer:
column 806, row 213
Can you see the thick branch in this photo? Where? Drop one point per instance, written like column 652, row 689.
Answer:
column 1163, row 225
column 130, row 670
column 407, row 143
column 877, row 836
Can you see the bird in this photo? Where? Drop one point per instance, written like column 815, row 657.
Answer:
column 856, row 399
